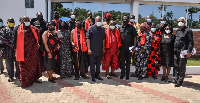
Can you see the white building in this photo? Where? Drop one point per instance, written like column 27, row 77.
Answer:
column 18, row 8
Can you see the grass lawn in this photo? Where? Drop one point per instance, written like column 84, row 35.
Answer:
column 193, row 62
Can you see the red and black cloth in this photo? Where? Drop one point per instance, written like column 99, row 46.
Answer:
column 154, row 61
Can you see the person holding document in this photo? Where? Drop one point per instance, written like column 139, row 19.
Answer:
column 183, row 46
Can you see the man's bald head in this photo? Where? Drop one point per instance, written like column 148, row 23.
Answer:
column 98, row 19
column 163, row 18
column 1, row 20
column 26, row 19
column 11, row 20
column 112, row 22
column 148, row 17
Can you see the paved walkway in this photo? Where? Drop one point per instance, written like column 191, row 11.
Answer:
column 112, row 90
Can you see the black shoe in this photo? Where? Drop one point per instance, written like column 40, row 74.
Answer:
column 154, row 77
column 10, row 80
column 178, row 85
column 146, row 76
column 121, row 77
column 140, row 78
column 174, row 81
column 1, row 72
column 134, row 75
column 85, row 77
column 99, row 78
column 38, row 81
column 93, row 79
column 52, row 80
column 108, row 76
column 163, row 78
column 127, row 77
column 76, row 78
column 166, row 79
column 113, row 74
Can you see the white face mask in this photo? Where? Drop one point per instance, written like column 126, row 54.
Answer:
column 112, row 27
column 168, row 31
column 148, row 20
column 73, row 16
column 180, row 24
column 153, row 29
column 98, row 24
column 27, row 23
column 132, row 20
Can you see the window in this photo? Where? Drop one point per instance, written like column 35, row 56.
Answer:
column 29, row 3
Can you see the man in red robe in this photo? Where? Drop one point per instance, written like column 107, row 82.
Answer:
column 110, row 56
column 27, row 53
column 57, row 21
column 107, row 17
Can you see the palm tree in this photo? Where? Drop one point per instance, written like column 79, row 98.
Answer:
column 191, row 11
column 169, row 16
column 160, row 9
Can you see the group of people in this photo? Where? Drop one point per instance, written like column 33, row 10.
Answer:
column 69, row 48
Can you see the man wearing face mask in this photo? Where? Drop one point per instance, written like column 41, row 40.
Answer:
column 107, row 17
column 8, row 51
column 89, row 21
column 183, row 41
column 96, row 43
column 57, row 21
column 27, row 53
column 79, row 50
column 41, row 25
column 134, row 23
column 110, row 57
column 72, row 21
column 147, row 24
column 2, row 30
column 128, row 39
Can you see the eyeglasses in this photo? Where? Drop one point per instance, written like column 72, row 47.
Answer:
column 181, row 21
column 167, row 28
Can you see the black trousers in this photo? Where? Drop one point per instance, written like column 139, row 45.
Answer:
column 81, row 64
column 1, row 64
column 10, row 67
column 125, row 61
column 179, row 67
column 95, row 60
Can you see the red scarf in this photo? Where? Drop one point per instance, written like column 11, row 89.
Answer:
column 143, row 36
column 108, row 37
column 20, row 42
column 82, row 40
column 56, row 21
column 130, row 23
column 87, row 24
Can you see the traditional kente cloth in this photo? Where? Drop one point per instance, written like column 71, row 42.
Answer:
column 31, row 68
column 110, row 57
column 154, row 61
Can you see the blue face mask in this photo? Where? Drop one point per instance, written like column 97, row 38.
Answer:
column 148, row 20
column 153, row 29
column 1, row 24
column 162, row 22
column 132, row 20
column 27, row 23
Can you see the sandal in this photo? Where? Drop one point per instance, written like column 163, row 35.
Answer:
column 163, row 78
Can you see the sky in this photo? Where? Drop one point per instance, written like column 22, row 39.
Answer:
column 144, row 10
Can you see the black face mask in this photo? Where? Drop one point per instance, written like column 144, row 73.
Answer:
column 108, row 19
column 79, row 26
column 125, row 22
column 90, row 16
column 51, row 29
column 56, row 17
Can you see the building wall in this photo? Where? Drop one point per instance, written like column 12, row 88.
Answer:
column 16, row 9
column 39, row 5
column 12, row 8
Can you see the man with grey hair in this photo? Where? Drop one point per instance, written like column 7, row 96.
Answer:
column 183, row 42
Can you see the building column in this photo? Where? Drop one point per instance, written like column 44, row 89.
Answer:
column 49, row 10
column 186, row 17
column 163, row 9
column 131, row 9
column 102, row 12
column 72, row 5
column 135, row 9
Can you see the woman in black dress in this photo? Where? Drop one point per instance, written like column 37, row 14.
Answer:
column 167, row 52
column 65, row 54
column 51, row 44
